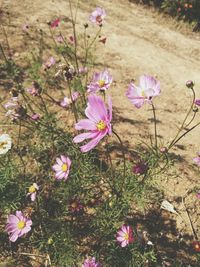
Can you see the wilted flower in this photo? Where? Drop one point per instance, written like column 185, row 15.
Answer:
column 32, row 191
column 75, row 206
column 100, row 81
column 197, row 102
column 97, row 16
column 140, row 168
column 35, row 90
column 35, row 117
column 25, row 27
column 5, row 143
column 147, row 89
column 197, row 159
column 125, row 235
column 196, row 246
column 83, row 70
column 60, row 39
column 55, row 23
column 12, row 103
column 98, row 123
column 50, row 62
column 17, row 226
column 62, row 167
column 71, row 39
column 91, row 262
column 198, row 195
column 103, row 40
column 67, row 101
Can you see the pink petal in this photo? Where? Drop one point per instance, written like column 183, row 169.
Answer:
column 93, row 142
column 81, row 137
column 86, row 125
column 56, row 167
column 59, row 161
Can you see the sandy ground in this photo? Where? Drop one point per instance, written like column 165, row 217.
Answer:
column 139, row 41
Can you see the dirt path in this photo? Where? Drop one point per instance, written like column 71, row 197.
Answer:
column 138, row 41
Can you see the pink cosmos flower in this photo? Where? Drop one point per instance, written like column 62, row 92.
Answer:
column 91, row 262
column 147, row 89
column 32, row 191
column 98, row 123
column 62, row 167
column 125, row 235
column 67, row 101
column 55, row 23
column 100, row 81
column 197, row 102
column 97, row 16
column 17, row 226
column 197, row 159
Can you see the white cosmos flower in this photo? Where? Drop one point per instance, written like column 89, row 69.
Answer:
column 5, row 143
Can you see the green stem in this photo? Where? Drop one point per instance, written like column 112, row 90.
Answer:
column 155, row 126
column 174, row 141
column 124, row 158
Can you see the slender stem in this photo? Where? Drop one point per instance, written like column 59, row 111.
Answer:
column 174, row 141
column 155, row 126
column 74, row 31
column 185, row 134
column 124, row 158
column 3, row 53
column 193, row 117
column 73, row 103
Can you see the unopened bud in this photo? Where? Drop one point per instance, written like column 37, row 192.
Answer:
column 190, row 84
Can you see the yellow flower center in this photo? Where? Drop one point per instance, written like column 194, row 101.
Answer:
column 21, row 225
column 64, row 167
column 101, row 83
column 143, row 94
column 3, row 143
column 32, row 189
column 101, row 125
column 126, row 237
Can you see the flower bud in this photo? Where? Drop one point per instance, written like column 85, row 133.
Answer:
column 190, row 84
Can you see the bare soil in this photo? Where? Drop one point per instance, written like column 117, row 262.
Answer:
column 139, row 41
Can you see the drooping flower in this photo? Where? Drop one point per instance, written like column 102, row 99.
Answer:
column 35, row 90
column 75, row 206
column 100, row 81
column 62, row 167
column 50, row 62
column 67, row 101
column 5, row 143
column 125, row 235
column 25, row 27
column 196, row 246
column 35, row 117
column 147, row 89
column 17, row 226
column 55, row 23
column 98, row 123
column 91, row 262
column 140, row 168
column 197, row 102
column 97, row 16
column 190, row 84
column 32, row 191
column 198, row 195
column 197, row 159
